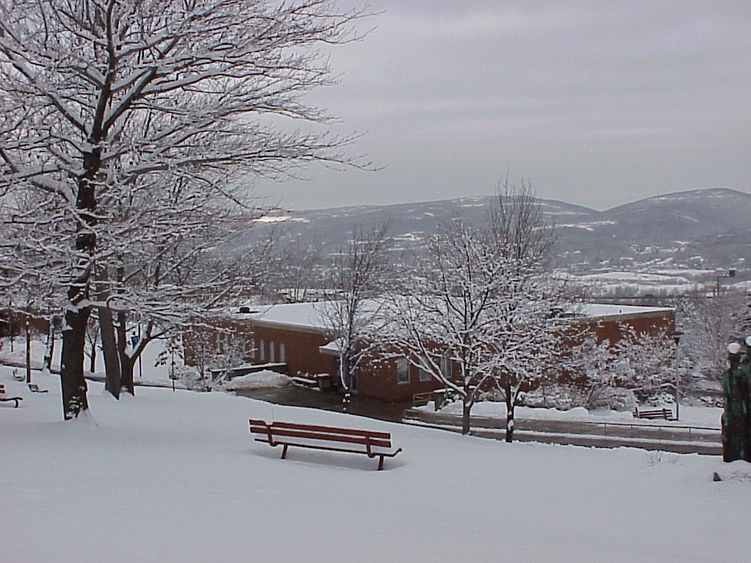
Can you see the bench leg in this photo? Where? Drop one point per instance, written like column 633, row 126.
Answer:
column 380, row 463
column 284, row 452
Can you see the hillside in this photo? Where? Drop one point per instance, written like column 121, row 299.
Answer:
column 704, row 228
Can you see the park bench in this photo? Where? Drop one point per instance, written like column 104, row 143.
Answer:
column 5, row 398
column 350, row 440
column 667, row 414
column 34, row 388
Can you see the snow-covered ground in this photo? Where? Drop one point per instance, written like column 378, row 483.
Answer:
column 174, row 476
column 153, row 368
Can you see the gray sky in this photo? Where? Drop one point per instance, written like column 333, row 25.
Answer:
column 596, row 102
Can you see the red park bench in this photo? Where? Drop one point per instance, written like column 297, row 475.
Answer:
column 5, row 398
column 367, row 442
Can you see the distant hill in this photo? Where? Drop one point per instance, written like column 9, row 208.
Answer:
column 698, row 228
column 704, row 228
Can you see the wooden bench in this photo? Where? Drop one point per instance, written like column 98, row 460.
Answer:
column 667, row 414
column 367, row 442
column 34, row 388
column 4, row 397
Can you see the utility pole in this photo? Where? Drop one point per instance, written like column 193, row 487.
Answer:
column 719, row 274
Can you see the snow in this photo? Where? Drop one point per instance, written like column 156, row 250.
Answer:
column 599, row 310
column 149, row 370
column 311, row 316
column 689, row 415
column 259, row 380
column 300, row 315
column 634, row 277
column 174, row 476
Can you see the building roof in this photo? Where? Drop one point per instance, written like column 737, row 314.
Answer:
column 290, row 315
column 311, row 316
column 607, row 311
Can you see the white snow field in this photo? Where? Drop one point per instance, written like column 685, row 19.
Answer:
column 174, row 476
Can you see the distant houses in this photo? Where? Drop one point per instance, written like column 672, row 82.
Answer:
column 295, row 338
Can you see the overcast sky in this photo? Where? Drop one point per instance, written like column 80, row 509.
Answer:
column 596, row 102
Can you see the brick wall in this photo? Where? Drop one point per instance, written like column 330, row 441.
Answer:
column 299, row 349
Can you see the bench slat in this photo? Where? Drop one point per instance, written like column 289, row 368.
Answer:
column 325, row 447
column 318, row 428
column 362, row 440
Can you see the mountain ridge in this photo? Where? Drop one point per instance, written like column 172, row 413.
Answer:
column 702, row 227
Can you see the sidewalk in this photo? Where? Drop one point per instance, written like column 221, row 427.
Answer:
column 703, row 440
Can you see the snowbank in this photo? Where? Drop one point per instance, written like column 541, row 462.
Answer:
column 259, row 380
column 174, row 476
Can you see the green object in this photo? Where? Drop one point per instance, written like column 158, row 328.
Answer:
column 736, row 423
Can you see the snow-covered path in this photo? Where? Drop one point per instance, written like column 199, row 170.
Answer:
column 174, row 477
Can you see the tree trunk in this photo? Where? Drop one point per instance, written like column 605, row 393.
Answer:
column 109, row 352
column 509, row 415
column 466, row 408
column 346, row 379
column 72, row 381
column 92, row 356
column 28, row 350
column 127, row 373
column 49, row 349
column 126, row 362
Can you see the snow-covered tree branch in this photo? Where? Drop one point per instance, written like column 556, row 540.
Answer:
column 106, row 99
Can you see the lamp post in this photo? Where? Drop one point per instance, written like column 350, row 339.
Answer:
column 677, row 339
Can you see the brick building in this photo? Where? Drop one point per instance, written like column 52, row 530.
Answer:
column 294, row 338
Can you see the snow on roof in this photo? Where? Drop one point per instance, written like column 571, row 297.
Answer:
column 299, row 315
column 312, row 315
column 599, row 310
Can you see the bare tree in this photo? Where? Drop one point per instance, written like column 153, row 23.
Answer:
column 172, row 270
column 519, row 228
column 648, row 362
column 481, row 316
column 708, row 325
column 350, row 313
column 298, row 272
column 101, row 97
column 441, row 321
column 588, row 364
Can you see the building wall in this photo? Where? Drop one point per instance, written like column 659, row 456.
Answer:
column 378, row 379
column 651, row 323
column 300, row 350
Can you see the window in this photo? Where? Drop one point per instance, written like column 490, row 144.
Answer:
column 272, row 356
column 423, row 375
column 402, row 370
column 282, row 357
column 446, row 367
column 262, row 350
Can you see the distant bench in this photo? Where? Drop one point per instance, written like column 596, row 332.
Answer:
column 350, row 440
column 667, row 414
column 5, row 398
